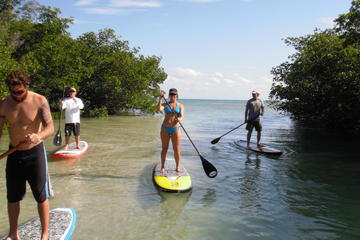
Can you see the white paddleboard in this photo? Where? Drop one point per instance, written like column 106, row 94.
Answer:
column 72, row 151
column 61, row 225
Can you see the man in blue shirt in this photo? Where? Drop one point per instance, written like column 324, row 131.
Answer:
column 254, row 108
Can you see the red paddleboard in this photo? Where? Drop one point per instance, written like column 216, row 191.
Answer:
column 72, row 151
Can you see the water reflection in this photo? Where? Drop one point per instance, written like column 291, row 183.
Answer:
column 166, row 210
column 65, row 162
column 250, row 188
column 172, row 204
column 252, row 161
column 171, row 221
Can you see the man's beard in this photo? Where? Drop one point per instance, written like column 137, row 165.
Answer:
column 20, row 99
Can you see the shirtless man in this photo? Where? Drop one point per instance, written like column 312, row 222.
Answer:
column 29, row 121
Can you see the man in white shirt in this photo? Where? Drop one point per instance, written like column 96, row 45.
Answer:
column 72, row 106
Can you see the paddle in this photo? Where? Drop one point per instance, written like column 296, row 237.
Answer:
column 216, row 140
column 11, row 150
column 57, row 138
column 209, row 169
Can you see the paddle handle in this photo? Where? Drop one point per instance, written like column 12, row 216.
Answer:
column 63, row 95
column 232, row 129
column 240, row 125
column 10, row 151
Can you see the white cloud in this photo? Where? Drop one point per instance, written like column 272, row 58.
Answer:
column 186, row 72
column 84, row 2
column 218, row 74
column 267, row 79
column 327, row 21
column 112, row 7
column 132, row 3
column 208, row 78
column 200, row 1
column 203, row 1
column 241, row 78
column 103, row 11
column 197, row 84
column 78, row 21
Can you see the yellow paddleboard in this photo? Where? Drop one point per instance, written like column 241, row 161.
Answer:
column 171, row 181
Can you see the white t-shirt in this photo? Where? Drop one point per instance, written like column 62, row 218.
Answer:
column 72, row 108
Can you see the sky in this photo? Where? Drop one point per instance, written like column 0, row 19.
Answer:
column 210, row 49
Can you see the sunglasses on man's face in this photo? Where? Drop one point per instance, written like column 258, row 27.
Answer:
column 72, row 91
column 17, row 92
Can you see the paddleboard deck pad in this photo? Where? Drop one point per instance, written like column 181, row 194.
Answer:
column 263, row 149
column 171, row 181
column 72, row 151
column 61, row 225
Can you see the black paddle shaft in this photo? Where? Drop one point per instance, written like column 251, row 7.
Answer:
column 216, row 140
column 57, row 138
column 209, row 169
column 232, row 130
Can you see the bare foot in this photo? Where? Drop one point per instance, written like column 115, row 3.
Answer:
column 260, row 145
column 9, row 237
column 162, row 170
column 77, row 147
column 66, row 147
column 178, row 170
column 44, row 237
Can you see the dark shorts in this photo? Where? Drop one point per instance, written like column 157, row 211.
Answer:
column 254, row 123
column 72, row 128
column 31, row 166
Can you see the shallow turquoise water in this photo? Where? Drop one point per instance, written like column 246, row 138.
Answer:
column 310, row 192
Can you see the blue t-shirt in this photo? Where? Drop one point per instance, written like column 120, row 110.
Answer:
column 255, row 107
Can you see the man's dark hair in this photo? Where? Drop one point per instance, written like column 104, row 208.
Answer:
column 18, row 77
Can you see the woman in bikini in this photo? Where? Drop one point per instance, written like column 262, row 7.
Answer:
column 170, row 128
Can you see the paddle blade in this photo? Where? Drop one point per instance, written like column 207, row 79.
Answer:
column 216, row 140
column 57, row 139
column 209, row 169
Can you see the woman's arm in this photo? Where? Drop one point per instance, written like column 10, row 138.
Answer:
column 160, row 107
column 182, row 112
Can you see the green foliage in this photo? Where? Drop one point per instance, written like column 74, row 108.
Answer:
column 7, row 63
column 8, row 5
column 320, row 85
column 109, row 75
column 97, row 112
column 118, row 77
column 348, row 25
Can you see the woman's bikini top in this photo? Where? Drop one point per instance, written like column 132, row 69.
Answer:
column 168, row 110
